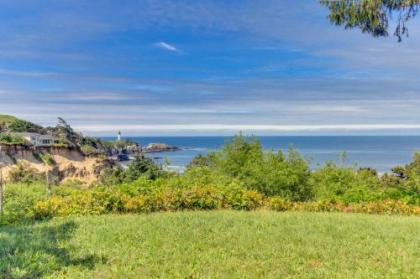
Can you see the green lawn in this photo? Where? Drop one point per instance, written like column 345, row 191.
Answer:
column 218, row 244
column 6, row 118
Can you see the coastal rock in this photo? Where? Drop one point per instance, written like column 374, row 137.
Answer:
column 160, row 147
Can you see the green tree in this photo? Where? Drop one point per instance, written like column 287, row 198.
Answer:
column 341, row 183
column 199, row 161
column 243, row 161
column 64, row 131
column 142, row 166
column 373, row 16
column 408, row 178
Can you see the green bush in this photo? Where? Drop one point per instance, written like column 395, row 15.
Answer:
column 26, row 203
column 20, row 200
column 19, row 125
column 142, row 166
column 88, row 149
column 72, row 183
column 343, row 183
column 101, row 201
column 11, row 139
column 373, row 207
column 240, row 176
column 203, row 198
column 272, row 174
column 243, row 199
column 404, row 182
column 279, row 204
column 47, row 159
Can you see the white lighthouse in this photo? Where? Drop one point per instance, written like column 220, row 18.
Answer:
column 119, row 136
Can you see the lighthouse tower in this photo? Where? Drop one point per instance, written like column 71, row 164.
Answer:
column 119, row 136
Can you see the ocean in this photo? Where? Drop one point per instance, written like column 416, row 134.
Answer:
column 379, row 152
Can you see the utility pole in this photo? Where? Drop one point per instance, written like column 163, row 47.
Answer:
column 47, row 176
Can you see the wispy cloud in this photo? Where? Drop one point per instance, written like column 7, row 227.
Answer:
column 251, row 67
column 167, row 46
column 248, row 128
column 26, row 73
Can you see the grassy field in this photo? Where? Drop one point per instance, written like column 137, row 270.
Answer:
column 218, row 244
column 6, row 118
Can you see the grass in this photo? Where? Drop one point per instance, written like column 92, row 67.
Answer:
column 217, row 244
column 7, row 118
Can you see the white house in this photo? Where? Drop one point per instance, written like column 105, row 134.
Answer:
column 38, row 139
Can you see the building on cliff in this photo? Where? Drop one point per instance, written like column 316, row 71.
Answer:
column 38, row 139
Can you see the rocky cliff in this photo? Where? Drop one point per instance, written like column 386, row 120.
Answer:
column 64, row 162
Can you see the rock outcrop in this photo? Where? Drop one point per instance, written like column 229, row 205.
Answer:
column 160, row 147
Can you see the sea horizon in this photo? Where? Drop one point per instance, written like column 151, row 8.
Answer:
column 256, row 135
column 381, row 152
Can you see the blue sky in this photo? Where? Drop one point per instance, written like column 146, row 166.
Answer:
column 204, row 68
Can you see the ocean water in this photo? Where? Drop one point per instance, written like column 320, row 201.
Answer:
column 379, row 152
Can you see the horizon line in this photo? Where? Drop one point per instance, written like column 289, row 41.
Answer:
column 254, row 128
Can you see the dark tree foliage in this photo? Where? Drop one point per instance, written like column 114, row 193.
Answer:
column 200, row 161
column 373, row 16
column 142, row 166
column 65, row 131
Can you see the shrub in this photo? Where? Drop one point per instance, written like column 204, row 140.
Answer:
column 285, row 175
column 101, row 201
column 88, row 149
column 272, row 174
column 24, row 173
column 142, row 166
column 79, row 203
column 340, row 183
column 243, row 199
column 95, row 202
column 279, row 204
column 72, row 183
column 24, row 203
column 19, row 125
column 47, row 159
column 11, row 139
column 135, row 204
column 111, row 176
column 201, row 198
column 374, row 207
column 403, row 183
column 240, row 176
column 199, row 161
column 19, row 201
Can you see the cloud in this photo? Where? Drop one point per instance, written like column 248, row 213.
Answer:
column 26, row 73
column 250, row 65
column 247, row 128
column 167, row 46
column 258, row 101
